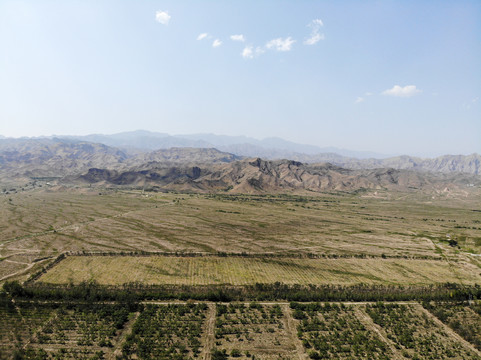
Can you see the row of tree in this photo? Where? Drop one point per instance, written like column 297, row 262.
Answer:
column 91, row 291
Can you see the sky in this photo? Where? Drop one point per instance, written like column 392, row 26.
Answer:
column 392, row 77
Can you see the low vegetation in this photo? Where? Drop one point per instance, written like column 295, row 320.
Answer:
column 253, row 330
column 235, row 270
column 462, row 317
column 416, row 334
column 225, row 267
column 38, row 225
column 332, row 331
column 166, row 332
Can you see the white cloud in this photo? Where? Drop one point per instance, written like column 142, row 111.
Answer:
column 162, row 17
column 315, row 38
column 399, row 91
column 202, row 36
column 216, row 43
column 281, row 44
column 248, row 52
column 359, row 100
column 239, row 37
column 316, row 35
column 368, row 94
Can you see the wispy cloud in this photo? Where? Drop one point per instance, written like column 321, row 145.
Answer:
column 216, row 43
column 359, row 99
column 399, row 91
column 162, row 17
column 202, row 36
column 316, row 35
column 280, row 44
column 239, row 37
column 467, row 105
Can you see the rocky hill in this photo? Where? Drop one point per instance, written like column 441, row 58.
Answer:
column 470, row 164
column 201, row 169
column 27, row 158
column 261, row 176
column 185, row 156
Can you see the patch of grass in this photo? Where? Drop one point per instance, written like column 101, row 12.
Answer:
column 205, row 270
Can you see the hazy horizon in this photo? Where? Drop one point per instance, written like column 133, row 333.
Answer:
column 374, row 154
column 385, row 77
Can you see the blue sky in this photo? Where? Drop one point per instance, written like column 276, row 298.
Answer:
column 394, row 77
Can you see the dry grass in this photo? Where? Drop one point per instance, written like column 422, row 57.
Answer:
column 42, row 223
column 114, row 270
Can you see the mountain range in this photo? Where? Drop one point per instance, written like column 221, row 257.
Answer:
column 142, row 140
column 71, row 160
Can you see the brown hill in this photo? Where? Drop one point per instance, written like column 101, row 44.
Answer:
column 470, row 164
column 186, row 155
column 209, row 169
column 24, row 159
column 257, row 175
column 27, row 158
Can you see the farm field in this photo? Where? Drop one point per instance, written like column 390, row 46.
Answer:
column 37, row 225
column 19, row 322
column 334, row 331
column 254, row 330
column 82, row 331
column 416, row 334
column 233, row 270
column 462, row 318
column 166, row 332
column 243, row 330
column 61, row 330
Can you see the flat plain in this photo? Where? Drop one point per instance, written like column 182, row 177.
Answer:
column 119, row 236
column 38, row 225
column 206, row 270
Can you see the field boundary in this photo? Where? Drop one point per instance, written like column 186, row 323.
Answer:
column 34, row 277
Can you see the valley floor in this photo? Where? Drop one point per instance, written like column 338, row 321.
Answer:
column 38, row 225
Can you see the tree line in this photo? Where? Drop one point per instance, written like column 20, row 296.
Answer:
column 91, row 291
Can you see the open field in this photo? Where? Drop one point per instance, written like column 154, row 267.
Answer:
column 40, row 224
column 205, row 270
column 373, row 238
column 211, row 331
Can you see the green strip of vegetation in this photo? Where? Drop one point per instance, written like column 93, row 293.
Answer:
column 91, row 291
